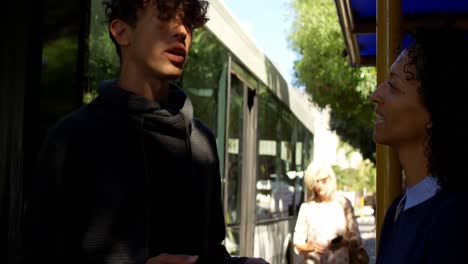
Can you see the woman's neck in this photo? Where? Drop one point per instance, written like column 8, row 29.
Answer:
column 414, row 162
column 323, row 198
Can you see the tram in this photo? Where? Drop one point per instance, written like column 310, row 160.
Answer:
column 264, row 131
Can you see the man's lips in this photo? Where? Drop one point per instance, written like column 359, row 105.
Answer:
column 176, row 54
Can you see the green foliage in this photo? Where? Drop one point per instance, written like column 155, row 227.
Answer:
column 351, row 179
column 325, row 73
column 59, row 62
column 104, row 62
column 204, row 75
column 207, row 60
column 59, row 70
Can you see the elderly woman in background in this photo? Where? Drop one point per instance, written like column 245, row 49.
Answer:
column 326, row 230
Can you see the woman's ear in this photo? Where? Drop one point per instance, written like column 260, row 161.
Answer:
column 120, row 31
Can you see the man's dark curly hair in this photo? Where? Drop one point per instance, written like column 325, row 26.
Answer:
column 441, row 60
column 194, row 12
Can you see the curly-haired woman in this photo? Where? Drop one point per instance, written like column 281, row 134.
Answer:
column 421, row 113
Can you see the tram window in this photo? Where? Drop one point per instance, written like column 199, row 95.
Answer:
column 204, row 77
column 103, row 63
column 242, row 74
column 308, row 148
column 275, row 167
column 232, row 240
column 285, row 191
column 233, row 181
column 62, row 60
column 233, row 178
column 204, row 80
column 304, row 149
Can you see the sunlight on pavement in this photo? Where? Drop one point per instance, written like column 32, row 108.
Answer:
column 367, row 229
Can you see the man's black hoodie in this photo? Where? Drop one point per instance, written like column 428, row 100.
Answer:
column 124, row 179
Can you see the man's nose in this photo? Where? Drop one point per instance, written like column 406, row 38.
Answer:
column 181, row 31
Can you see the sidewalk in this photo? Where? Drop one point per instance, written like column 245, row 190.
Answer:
column 367, row 228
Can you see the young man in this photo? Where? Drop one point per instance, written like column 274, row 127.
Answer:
column 133, row 177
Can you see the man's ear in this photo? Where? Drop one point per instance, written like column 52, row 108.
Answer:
column 120, row 31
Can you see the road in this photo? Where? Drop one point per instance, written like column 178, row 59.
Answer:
column 367, row 228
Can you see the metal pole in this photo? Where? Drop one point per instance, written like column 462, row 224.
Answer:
column 389, row 16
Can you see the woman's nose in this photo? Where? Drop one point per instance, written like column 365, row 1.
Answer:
column 375, row 96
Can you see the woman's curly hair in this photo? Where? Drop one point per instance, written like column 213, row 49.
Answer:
column 194, row 12
column 440, row 57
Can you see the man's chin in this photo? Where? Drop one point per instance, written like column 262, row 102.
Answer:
column 170, row 76
column 173, row 76
column 174, row 73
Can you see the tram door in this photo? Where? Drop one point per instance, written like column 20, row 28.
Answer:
column 42, row 75
column 239, row 181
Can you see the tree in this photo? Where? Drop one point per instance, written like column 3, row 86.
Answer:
column 355, row 178
column 104, row 63
column 327, row 76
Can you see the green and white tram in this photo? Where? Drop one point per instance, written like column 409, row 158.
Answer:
column 264, row 132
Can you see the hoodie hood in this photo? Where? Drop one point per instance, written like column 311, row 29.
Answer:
column 173, row 118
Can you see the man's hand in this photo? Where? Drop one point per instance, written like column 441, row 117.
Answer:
column 256, row 261
column 173, row 259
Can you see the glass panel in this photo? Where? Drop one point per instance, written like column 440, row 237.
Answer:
column 234, row 170
column 232, row 240
column 298, row 157
column 300, row 166
column 295, row 175
column 244, row 75
column 283, row 190
column 204, row 78
column 276, row 152
column 306, row 140
column 62, row 57
column 267, row 152
column 103, row 62
column 308, row 148
column 300, row 147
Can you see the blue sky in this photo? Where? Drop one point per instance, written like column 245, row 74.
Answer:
column 268, row 22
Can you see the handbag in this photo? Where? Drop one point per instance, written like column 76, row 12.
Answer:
column 358, row 256
column 357, row 253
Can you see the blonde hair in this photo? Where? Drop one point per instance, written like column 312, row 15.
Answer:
column 319, row 171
